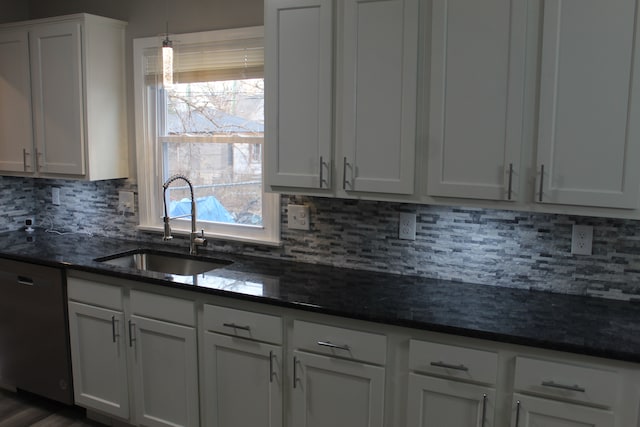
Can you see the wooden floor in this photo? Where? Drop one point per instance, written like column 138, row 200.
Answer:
column 23, row 410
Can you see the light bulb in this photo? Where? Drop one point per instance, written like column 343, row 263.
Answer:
column 167, row 62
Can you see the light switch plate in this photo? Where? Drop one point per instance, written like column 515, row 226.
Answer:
column 298, row 217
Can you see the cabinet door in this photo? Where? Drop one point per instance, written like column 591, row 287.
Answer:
column 56, row 71
column 434, row 402
column 530, row 411
column 477, row 87
column 298, row 98
column 99, row 361
column 165, row 373
column 239, row 371
column 379, row 77
column 16, row 138
column 588, row 139
column 334, row 392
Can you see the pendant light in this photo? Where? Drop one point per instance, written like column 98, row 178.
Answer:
column 167, row 54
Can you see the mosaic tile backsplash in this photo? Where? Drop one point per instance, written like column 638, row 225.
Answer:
column 483, row 246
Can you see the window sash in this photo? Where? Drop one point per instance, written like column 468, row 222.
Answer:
column 149, row 144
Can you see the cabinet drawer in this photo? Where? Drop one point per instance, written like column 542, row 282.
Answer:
column 94, row 293
column 255, row 326
column 561, row 380
column 347, row 343
column 453, row 361
column 162, row 307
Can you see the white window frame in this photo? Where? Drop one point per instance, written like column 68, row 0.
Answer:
column 149, row 154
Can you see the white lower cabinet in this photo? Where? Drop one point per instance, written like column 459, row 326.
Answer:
column 242, row 376
column 99, row 359
column 435, row 402
column 450, row 386
column 537, row 412
column 336, row 378
column 144, row 357
column 165, row 372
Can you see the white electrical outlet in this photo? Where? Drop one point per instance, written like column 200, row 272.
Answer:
column 55, row 196
column 126, row 201
column 407, row 228
column 298, row 217
column 581, row 239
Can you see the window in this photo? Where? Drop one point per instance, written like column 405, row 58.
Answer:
column 209, row 126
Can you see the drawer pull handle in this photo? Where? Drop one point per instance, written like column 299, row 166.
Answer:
column 448, row 366
column 27, row 281
column 541, row 182
column 336, row 346
column 234, row 326
column 517, row 413
column 564, row 386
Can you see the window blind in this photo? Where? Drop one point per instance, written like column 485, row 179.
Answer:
column 211, row 61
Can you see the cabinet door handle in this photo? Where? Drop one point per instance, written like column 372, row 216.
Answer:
column 484, row 409
column 510, row 181
column 234, row 326
column 329, row 344
column 295, row 371
column 38, row 166
column 344, row 174
column 517, row 413
column 564, row 386
column 132, row 331
column 271, row 366
column 24, row 159
column 113, row 328
column 449, row 366
column 27, row 281
column 322, row 180
column 541, row 182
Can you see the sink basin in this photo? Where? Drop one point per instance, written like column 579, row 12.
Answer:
column 164, row 262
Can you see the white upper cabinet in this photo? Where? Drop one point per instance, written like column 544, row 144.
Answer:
column 57, row 98
column 69, row 90
column 588, row 139
column 378, row 75
column 16, row 138
column 298, row 75
column 477, row 74
column 372, row 146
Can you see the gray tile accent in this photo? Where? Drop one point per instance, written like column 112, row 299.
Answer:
column 483, row 246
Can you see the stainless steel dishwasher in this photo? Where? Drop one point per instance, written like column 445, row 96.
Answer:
column 34, row 335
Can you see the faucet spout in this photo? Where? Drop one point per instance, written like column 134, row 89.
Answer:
column 195, row 239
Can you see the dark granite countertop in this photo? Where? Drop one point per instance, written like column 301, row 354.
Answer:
column 577, row 324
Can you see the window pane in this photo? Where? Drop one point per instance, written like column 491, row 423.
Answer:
column 213, row 135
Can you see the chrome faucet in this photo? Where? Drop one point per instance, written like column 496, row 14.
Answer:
column 195, row 239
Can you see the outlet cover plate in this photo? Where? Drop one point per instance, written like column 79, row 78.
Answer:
column 581, row 239
column 407, row 228
column 126, row 201
column 298, row 217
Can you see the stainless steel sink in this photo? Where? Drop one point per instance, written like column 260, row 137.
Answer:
column 164, row 262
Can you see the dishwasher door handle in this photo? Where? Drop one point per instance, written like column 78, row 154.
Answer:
column 27, row 281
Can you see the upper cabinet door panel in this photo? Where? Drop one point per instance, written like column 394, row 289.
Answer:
column 476, row 104
column 16, row 138
column 588, row 140
column 298, row 86
column 56, row 70
column 379, row 69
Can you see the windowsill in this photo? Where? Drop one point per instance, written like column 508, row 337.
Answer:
column 183, row 232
